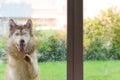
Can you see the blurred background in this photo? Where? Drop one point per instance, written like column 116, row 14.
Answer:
column 101, row 39
column 49, row 27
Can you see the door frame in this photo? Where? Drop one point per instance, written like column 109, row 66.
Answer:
column 74, row 40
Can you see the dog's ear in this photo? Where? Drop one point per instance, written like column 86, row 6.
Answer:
column 28, row 24
column 12, row 24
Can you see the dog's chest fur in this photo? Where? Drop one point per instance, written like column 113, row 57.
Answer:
column 18, row 70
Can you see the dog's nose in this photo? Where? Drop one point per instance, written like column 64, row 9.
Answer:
column 22, row 41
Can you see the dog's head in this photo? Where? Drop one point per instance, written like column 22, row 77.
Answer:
column 20, row 34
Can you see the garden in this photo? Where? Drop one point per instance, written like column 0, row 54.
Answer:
column 102, row 45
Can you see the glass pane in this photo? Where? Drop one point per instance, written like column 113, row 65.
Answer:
column 49, row 28
column 101, row 40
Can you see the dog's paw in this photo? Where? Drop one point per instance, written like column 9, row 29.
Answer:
column 27, row 58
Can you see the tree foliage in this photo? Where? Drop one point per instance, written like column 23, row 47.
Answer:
column 102, row 35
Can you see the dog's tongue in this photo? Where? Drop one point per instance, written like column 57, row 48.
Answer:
column 21, row 47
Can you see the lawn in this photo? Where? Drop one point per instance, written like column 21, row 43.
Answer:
column 53, row 71
column 102, row 70
column 48, row 71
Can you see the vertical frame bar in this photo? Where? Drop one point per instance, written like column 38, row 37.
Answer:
column 70, row 40
column 78, row 40
column 75, row 40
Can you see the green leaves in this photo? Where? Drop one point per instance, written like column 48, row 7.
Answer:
column 103, row 29
column 52, row 45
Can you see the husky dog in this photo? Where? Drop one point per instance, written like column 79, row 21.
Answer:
column 22, row 55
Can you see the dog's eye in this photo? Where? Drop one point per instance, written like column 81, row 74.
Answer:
column 16, row 34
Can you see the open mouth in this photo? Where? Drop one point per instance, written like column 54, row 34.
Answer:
column 22, row 47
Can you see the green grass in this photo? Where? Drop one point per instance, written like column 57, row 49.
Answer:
column 48, row 71
column 2, row 71
column 53, row 71
column 102, row 70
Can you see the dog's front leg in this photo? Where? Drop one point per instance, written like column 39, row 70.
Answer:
column 32, row 66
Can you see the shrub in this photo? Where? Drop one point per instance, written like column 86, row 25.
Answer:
column 3, row 47
column 102, row 36
column 96, row 51
column 51, row 45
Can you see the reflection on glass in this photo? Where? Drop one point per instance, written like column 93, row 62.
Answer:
column 101, row 40
column 50, row 30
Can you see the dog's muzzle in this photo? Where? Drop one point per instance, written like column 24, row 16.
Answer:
column 22, row 45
